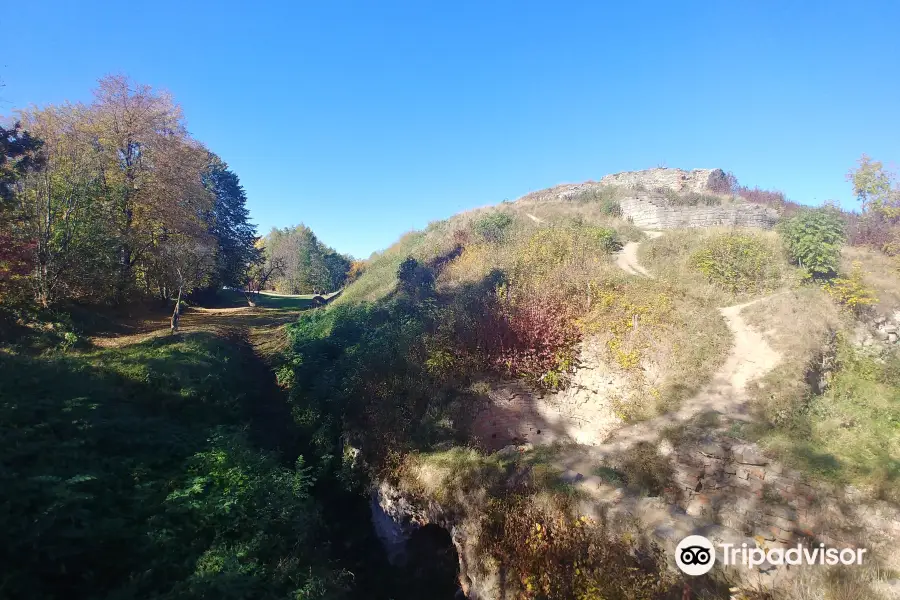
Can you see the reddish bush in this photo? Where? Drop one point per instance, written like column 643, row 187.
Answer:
column 726, row 183
column 870, row 229
column 530, row 336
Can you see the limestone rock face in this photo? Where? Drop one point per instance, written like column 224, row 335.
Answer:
column 696, row 180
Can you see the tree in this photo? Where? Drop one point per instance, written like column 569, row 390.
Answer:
column 152, row 171
column 879, row 192
column 59, row 207
column 229, row 223
column 875, row 187
column 187, row 261
column 20, row 153
column 813, row 238
column 310, row 267
column 259, row 271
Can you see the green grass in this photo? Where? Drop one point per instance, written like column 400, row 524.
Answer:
column 131, row 472
column 233, row 298
column 851, row 433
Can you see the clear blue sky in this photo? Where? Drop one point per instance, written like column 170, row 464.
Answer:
column 367, row 119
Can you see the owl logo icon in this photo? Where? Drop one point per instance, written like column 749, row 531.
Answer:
column 695, row 555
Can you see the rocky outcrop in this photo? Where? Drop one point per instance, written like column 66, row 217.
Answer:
column 718, row 487
column 879, row 331
column 645, row 201
column 396, row 514
column 679, row 180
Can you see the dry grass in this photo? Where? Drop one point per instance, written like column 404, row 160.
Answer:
column 666, row 342
column 669, row 258
column 881, row 272
column 799, row 324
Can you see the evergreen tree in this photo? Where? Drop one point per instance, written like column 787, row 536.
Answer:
column 229, row 224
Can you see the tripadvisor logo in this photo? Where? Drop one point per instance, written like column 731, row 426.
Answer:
column 696, row 555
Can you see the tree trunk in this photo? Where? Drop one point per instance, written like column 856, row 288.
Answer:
column 176, row 314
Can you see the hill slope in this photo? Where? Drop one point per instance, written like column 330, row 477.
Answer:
column 514, row 328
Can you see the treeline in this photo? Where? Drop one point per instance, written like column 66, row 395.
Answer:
column 114, row 200
column 301, row 264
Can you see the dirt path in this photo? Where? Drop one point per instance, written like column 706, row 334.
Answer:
column 750, row 357
column 627, row 258
column 261, row 326
column 726, row 394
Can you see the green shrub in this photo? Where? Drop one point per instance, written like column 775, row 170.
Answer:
column 605, row 238
column 738, row 262
column 611, row 207
column 415, row 279
column 493, row 227
column 813, row 239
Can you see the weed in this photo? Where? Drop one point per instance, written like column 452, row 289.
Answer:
column 813, row 239
column 738, row 262
column 851, row 291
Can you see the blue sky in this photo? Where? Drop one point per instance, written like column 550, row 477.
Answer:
column 367, row 119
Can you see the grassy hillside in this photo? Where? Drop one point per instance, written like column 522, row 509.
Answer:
column 515, row 290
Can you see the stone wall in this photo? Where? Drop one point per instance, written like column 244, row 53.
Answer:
column 654, row 212
column 733, row 484
column 879, row 330
column 696, row 180
column 719, row 487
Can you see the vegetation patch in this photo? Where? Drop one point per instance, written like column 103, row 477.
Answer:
column 530, row 529
column 851, row 291
column 710, row 265
column 739, row 263
column 849, row 433
column 137, row 477
column 813, row 239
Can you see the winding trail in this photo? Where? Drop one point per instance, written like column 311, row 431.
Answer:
column 627, row 258
column 750, row 357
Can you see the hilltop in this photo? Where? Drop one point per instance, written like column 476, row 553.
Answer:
column 552, row 364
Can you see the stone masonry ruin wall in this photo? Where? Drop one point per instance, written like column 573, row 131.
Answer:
column 652, row 212
column 646, row 207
